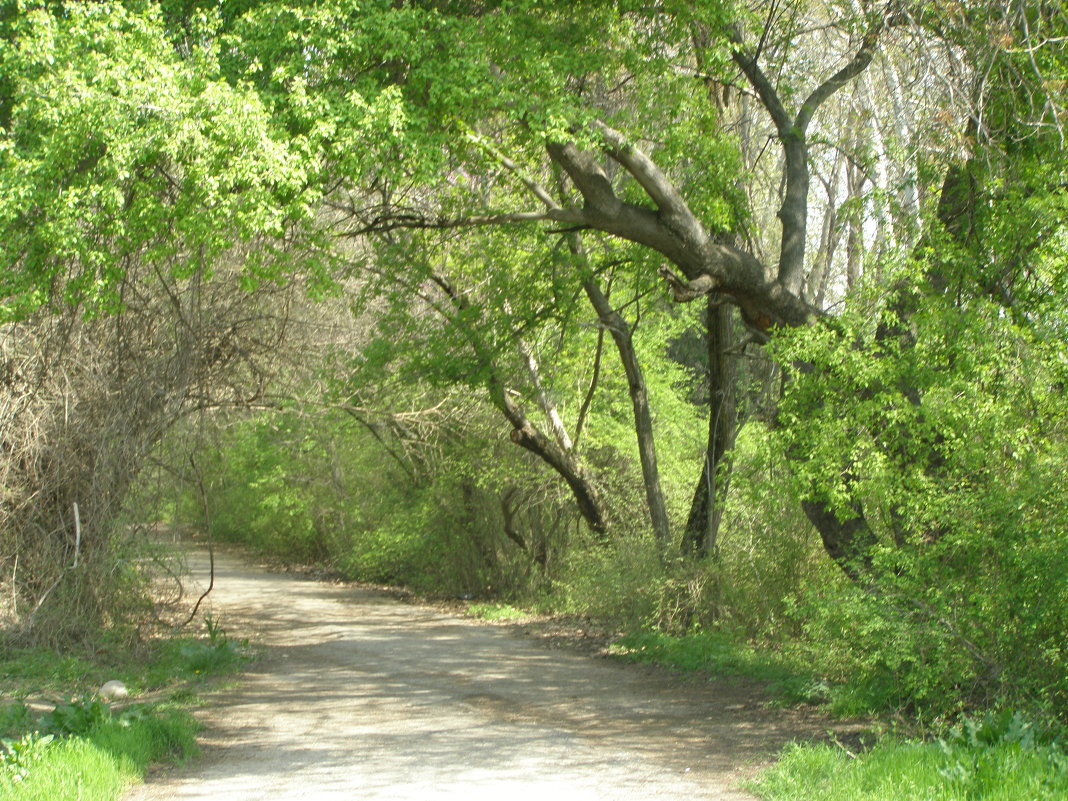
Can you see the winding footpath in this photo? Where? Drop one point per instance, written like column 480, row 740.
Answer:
column 359, row 696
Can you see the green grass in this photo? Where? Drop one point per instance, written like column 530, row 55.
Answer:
column 85, row 748
column 98, row 765
column 720, row 655
column 161, row 663
column 43, row 671
column 709, row 652
column 496, row 612
column 917, row 771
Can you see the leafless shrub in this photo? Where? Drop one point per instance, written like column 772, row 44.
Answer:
column 83, row 400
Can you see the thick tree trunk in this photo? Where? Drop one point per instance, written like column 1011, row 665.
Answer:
column 849, row 541
column 706, row 511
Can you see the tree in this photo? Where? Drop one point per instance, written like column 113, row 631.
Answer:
column 445, row 116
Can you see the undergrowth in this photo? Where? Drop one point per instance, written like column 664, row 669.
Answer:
column 85, row 747
column 721, row 655
column 994, row 758
column 496, row 612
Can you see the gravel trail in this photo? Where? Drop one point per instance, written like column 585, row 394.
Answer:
column 359, row 696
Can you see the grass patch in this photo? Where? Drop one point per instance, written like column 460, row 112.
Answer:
column 162, row 663
column 718, row 654
column 995, row 759
column 496, row 612
column 42, row 671
column 97, row 765
column 191, row 658
column 85, row 748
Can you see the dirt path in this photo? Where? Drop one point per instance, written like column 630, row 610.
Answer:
column 359, row 696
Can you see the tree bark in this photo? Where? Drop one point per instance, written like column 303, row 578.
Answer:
column 848, row 540
column 639, row 398
column 706, row 511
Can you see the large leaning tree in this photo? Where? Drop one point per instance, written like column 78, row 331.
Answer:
column 607, row 119
column 613, row 121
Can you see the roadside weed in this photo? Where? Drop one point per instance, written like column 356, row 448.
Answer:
column 496, row 612
column 998, row 757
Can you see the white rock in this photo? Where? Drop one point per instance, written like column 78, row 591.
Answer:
column 112, row 690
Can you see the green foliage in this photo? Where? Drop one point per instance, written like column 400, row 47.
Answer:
column 768, row 552
column 116, row 150
column 370, row 515
column 615, row 584
column 997, row 759
column 85, row 747
column 714, row 653
column 193, row 658
column 951, row 438
column 75, row 717
column 219, row 654
column 15, row 717
column 260, row 496
column 162, row 663
column 18, row 757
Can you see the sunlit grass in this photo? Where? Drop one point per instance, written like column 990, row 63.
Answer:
column 917, row 771
column 85, row 749
column 496, row 612
column 720, row 655
column 101, row 764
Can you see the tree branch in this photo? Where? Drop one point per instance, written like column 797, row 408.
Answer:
column 389, row 221
column 857, row 65
column 793, row 214
column 652, row 179
column 769, row 98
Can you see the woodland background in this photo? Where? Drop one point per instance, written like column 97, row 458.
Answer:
column 745, row 321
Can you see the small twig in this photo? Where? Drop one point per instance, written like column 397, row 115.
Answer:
column 211, row 543
column 77, row 534
column 840, row 744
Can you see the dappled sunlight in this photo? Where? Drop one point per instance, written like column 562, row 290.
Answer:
column 357, row 695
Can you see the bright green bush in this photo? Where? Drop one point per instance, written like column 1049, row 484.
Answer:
column 951, row 439
column 616, row 584
column 768, row 551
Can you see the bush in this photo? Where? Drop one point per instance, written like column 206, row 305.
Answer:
column 616, row 584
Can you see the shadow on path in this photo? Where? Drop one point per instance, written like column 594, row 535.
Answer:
column 358, row 696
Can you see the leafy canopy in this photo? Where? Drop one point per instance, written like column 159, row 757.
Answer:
column 117, row 149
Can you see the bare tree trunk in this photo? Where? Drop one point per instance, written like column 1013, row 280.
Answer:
column 639, row 398
column 706, row 510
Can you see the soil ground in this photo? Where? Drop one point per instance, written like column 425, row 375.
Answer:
column 357, row 695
